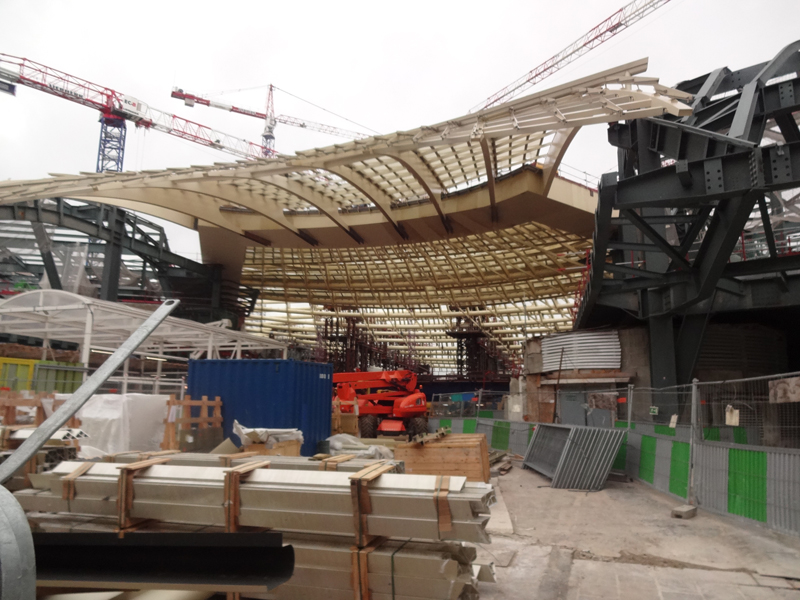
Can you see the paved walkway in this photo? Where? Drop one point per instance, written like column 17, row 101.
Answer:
column 622, row 544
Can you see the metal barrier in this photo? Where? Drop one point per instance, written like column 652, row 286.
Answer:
column 732, row 447
column 501, row 434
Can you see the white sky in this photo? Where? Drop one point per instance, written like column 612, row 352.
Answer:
column 389, row 66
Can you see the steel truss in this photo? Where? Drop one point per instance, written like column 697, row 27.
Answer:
column 686, row 189
column 116, row 233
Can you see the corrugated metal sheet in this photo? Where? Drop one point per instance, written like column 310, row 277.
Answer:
column 581, row 350
column 751, row 350
column 783, row 491
column 711, row 476
column 269, row 393
column 582, row 455
column 663, row 464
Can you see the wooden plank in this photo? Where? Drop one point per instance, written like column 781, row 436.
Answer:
column 68, row 481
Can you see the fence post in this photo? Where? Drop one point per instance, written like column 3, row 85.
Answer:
column 630, row 404
column 693, row 435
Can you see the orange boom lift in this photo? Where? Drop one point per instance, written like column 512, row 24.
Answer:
column 389, row 402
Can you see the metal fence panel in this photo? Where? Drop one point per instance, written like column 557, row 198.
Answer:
column 545, row 449
column 783, row 491
column 574, row 457
column 711, row 476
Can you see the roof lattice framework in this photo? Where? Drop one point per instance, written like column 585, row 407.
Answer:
column 467, row 214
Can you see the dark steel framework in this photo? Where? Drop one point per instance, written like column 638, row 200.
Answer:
column 114, row 232
column 349, row 347
column 685, row 190
column 111, row 151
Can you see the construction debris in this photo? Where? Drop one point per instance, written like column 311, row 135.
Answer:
column 685, row 511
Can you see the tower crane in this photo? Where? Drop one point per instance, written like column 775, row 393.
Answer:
column 115, row 110
column 616, row 23
column 270, row 120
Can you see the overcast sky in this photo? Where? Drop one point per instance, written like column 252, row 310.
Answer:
column 385, row 65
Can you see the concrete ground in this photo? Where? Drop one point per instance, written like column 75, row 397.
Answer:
column 621, row 543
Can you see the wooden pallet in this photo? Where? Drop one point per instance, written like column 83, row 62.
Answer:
column 185, row 421
column 465, row 454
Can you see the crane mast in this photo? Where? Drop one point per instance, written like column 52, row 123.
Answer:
column 616, row 23
column 270, row 120
column 116, row 109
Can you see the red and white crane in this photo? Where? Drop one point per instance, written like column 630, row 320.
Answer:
column 616, row 23
column 117, row 108
column 269, row 118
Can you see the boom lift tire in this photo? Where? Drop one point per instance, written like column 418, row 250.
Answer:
column 368, row 426
column 417, row 426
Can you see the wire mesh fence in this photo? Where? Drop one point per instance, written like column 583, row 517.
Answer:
column 728, row 446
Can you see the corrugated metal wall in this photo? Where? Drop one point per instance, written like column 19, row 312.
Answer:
column 269, row 393
column 581, row 350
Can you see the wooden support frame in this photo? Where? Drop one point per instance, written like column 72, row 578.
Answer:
column 173, row 423
column 360, row 568
column 125, row 488
column 232, row 504
column 362, row 506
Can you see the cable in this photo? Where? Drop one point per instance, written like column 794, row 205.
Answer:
column 326, row 110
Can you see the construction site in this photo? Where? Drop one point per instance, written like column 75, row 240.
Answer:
column 540, row 348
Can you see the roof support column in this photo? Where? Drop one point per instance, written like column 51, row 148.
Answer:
column 489, row 164
column 86, row 347
column 46, row 250
column 112, row 256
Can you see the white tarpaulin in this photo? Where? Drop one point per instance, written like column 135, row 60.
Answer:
column 121, row 423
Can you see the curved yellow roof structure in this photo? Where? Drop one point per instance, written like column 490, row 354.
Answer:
column 468, row 213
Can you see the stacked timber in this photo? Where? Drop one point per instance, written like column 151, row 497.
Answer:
column 365, row 505
column 455, row 454
column 343, row 462
column 324, row 564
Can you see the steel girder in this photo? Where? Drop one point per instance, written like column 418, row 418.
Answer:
column 685, row 190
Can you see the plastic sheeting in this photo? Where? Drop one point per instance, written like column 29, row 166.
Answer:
column 120, row 423
column 268, row 437
column 343, row 443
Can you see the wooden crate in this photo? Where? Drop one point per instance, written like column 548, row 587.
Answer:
column 287, row 448
column 465, row 454
column 343, row 422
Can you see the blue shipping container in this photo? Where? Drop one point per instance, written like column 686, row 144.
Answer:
column 269, row 393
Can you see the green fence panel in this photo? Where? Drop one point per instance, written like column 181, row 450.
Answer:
column 622, row 456
column 711, row 434
column 486, row 414
column 740, row 435
column 747, row 484
column 647, row 459
column 470, row 425
column 679, row 469
column 623, row 425
column 445, row 422
column 664, row 430
column 500, row 433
